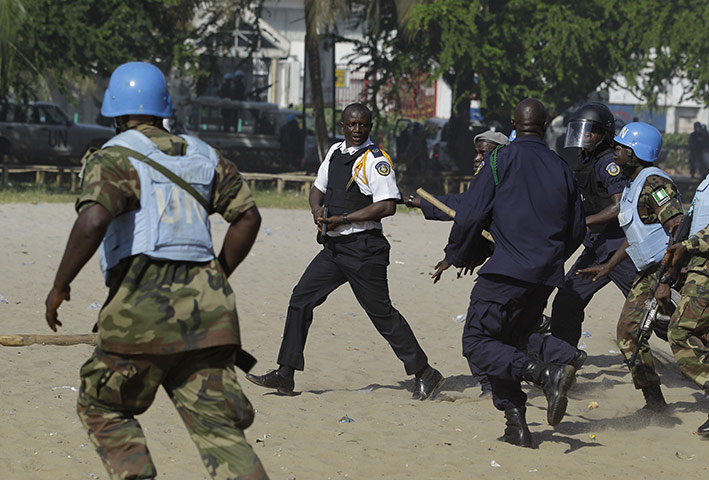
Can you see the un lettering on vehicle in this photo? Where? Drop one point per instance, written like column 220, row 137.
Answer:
column 58, row 138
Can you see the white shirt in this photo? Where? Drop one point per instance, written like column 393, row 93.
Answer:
column 376, row 179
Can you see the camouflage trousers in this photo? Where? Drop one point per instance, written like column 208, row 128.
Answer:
column 643, row 372
column 689, row 330
column 203, row 387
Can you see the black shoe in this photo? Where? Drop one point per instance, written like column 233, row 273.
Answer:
column 654, row 400
column 579, row 359
column 274, row 379
column 555, row 380
column 427, row 384
column 516, row 431
column 703, row 429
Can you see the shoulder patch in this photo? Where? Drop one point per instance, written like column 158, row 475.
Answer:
column 376, row 152
column 660, row 197
column 383, row 168
column 613, row 169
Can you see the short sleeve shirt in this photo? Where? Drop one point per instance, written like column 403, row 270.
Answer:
column 608, row 174
column 156, row 306
column 374, row 176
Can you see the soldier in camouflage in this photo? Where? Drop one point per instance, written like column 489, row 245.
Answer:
column 650, row 208
column 688, row 332
column 170, row 317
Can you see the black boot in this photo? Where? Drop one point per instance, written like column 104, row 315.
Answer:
column 516, row 431
column 277, row 379
column 654, row 401
column 555, row 380
column 579, row 359
column 703, row 429
column 427, row 383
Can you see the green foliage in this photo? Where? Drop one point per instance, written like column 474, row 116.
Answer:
column 675, row 140
column 59, row 41
column 673, row 41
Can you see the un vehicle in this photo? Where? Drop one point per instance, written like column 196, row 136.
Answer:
column 41, row 133
column 248, row 133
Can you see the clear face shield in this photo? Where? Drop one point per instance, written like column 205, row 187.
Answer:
column 580, row 134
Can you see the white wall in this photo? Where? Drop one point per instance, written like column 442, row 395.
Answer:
column 680, row 113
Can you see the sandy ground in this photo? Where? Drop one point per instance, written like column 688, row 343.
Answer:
column 350, row 372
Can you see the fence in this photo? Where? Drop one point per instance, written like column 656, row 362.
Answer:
column 69, row 175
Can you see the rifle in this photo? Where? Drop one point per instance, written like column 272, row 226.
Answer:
column 652, row 307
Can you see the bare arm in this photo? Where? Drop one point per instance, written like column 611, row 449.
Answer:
column 84, row 240
column 316, row 200
column 239, row 239
column 608, row 214
column 373, row 212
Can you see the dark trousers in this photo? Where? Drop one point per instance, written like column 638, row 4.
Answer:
column 567, row 312
column 361, row 260
column 500, row 338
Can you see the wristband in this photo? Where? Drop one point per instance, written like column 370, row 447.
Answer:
column 410, row 201
column 665, row 280
column 345, row 221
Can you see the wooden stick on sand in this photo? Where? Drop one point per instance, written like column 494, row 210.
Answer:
column 447, row 210
column 25, row 340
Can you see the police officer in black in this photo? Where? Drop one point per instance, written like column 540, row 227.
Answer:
column 356, row 183
column 528, row 200
column 592, row 128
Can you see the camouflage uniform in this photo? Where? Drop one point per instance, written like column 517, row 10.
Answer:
column 689, row 327
column 165, row 323
column 643, row 372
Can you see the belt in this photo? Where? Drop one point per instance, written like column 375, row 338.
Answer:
column 340, row 239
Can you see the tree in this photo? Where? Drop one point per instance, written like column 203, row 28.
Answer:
column 320, row 16
column 57, row 42
column 558, row 51
column 674, row 46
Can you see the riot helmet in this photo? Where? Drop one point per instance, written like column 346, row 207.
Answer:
column 137, row 88
column 592, row 125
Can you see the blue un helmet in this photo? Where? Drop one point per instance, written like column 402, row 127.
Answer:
column 137, row 88
column 644, row 139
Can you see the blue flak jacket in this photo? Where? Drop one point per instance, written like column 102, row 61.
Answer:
column 535, row 215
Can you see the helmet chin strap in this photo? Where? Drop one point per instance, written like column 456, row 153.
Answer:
column 629, row 168
column 125, row 122
column 120, row 123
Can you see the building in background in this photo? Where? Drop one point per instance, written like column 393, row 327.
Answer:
column 674, row 114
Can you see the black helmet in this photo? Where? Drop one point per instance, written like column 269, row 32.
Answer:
column 593, row 117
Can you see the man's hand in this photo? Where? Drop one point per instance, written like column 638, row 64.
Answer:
column 440, row 267
column 675, row 255
column 597, row 271
column 662, row 295
column 54, row 300
column 331, row 222
column 317, row 215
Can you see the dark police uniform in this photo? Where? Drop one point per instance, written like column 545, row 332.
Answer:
column 357, row 253
column 431, row 212
column 598, row 179
column 536, row 216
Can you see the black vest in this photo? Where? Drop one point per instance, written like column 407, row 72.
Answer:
column 338, row 197
column 595, row 196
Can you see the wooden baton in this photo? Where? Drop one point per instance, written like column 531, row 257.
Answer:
column 447, row 210
column 25, row 340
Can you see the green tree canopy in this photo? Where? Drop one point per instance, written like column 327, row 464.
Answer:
column 58, row 42
column 559, row 51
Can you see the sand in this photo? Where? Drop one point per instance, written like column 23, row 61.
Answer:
column 350, row 372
